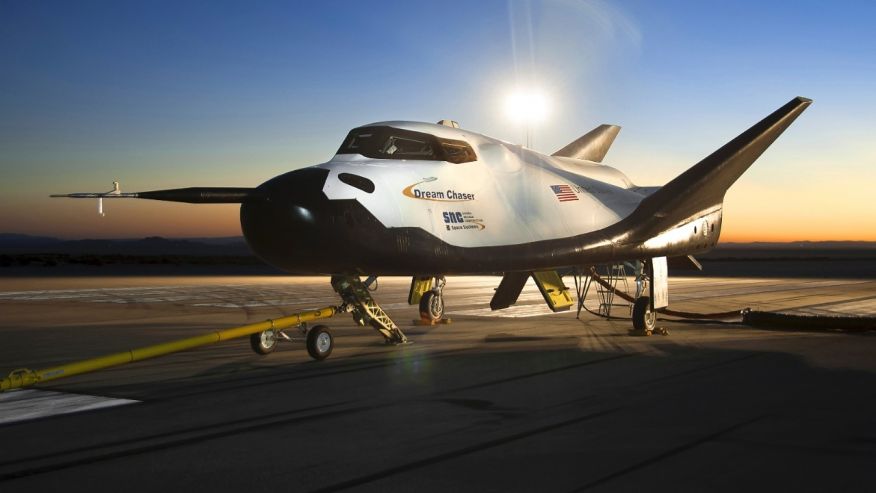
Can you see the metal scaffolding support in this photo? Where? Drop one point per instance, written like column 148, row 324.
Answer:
column 583, row 280
column 611, row 276
column 614, row 274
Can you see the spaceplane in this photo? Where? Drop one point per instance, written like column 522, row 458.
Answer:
column 429, row 200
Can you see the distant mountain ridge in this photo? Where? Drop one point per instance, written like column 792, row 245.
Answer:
column 13, row 243
column 803, row 245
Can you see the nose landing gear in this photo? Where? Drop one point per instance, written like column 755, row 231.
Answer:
column 428, row 294
column 431, row 307
column 432, row 302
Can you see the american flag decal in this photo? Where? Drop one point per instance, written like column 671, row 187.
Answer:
column 564, row 193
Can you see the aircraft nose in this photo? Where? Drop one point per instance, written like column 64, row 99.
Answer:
column 286, row 223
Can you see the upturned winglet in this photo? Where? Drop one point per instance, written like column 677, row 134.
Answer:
column 704, row 185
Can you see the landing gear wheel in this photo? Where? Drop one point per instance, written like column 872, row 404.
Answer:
column 432, row 306
column 264, row 342
column 644, row 319
column 320, row 342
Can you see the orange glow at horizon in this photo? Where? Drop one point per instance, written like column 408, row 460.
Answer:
column 744, row 221
column 766, row 204
column 78, row 218
column 804, row 208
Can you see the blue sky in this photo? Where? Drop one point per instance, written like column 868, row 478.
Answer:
column 168, row 94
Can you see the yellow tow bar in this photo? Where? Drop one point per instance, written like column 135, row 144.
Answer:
column 25, row 378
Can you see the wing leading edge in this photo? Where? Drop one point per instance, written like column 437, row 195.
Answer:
column 191, row 195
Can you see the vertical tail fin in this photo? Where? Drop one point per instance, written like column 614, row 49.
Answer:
column 592, row 146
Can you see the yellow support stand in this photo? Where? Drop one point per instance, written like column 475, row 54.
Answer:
column 25, row 378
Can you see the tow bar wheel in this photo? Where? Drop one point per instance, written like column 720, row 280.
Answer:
column 263, row 342
column 320, row 342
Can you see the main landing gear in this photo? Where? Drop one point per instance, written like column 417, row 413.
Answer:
column 644, row 318
column 652, row 280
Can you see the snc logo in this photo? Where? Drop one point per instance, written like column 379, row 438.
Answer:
column 453, row 217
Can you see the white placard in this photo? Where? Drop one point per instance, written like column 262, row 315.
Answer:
column 659, row 282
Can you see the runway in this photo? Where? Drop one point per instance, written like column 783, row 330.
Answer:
column 519, row 400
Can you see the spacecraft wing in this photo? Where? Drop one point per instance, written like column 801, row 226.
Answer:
column 702, row 187
column 192, row 195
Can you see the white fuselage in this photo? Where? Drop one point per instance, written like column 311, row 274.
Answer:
column 510, row 195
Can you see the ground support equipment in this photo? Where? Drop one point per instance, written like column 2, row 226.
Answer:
column 25, row 377
column 365, row 310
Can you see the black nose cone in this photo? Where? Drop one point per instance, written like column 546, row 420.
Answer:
column 288, row 223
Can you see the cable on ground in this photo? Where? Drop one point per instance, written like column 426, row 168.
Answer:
column 753, row 318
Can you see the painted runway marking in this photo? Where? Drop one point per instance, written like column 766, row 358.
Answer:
column 27, row 404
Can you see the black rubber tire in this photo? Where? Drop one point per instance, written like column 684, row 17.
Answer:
column 644, row 319
column 263, row 346
column 432, row 306
column 318, row 347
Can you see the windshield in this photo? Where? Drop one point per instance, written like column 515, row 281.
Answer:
column 394, row 143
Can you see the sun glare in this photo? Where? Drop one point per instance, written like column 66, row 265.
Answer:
column 527, row 105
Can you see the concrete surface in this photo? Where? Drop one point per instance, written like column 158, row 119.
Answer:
column 520, row 400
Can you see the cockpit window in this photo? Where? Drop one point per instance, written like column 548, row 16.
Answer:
column 398, row 147
column 394, row 143
column 457, row 151
column 359, row 140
